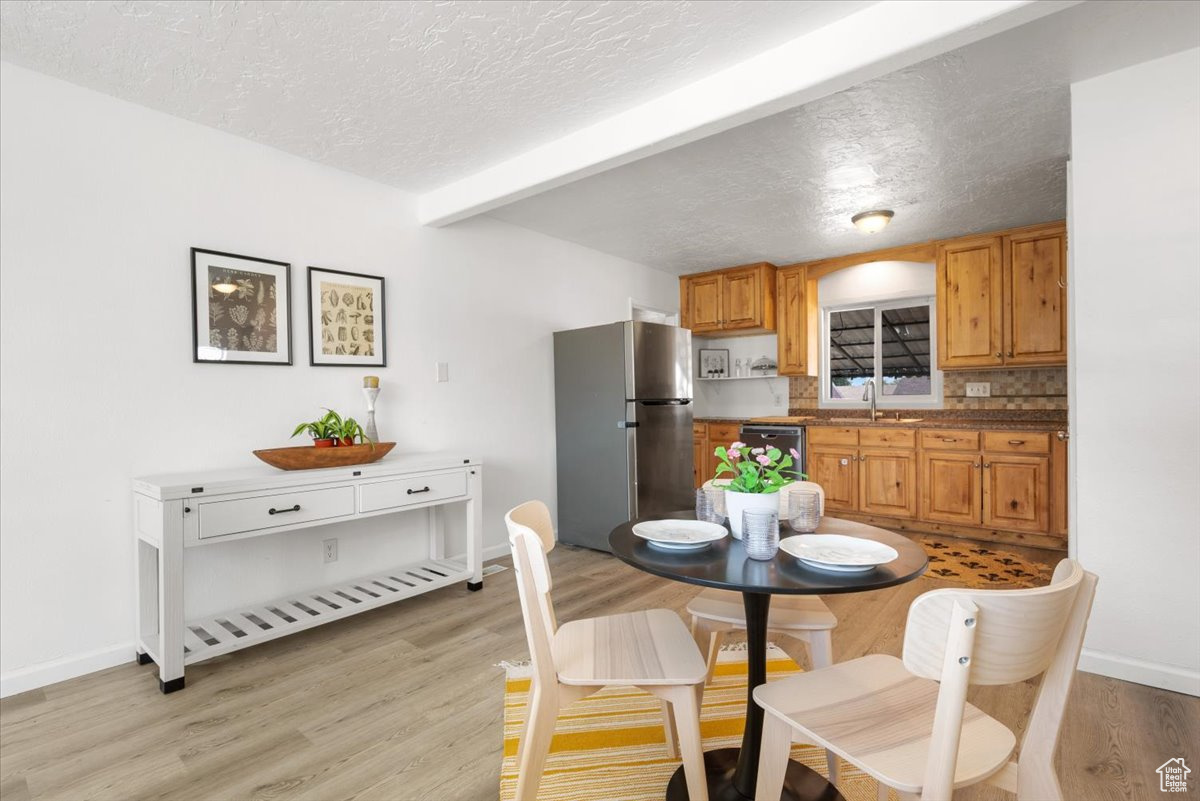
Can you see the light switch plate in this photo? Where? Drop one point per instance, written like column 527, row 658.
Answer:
column 980, row 389
column 443, row 372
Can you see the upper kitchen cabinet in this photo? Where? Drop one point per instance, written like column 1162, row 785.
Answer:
column 1035, row 309
column 792, row 320
column 739, row 300
column 1001, row 299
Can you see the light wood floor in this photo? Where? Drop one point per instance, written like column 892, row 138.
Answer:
column 404, row 702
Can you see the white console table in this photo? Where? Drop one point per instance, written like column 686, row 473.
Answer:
column 189, row 510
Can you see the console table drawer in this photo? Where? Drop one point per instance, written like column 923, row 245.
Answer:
column 221, row 518
column 407, row 491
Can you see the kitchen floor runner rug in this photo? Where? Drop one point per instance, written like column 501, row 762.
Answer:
column 610, row 746
column 980, row 566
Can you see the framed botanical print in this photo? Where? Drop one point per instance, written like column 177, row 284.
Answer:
column 345, row 319
column 241, row 309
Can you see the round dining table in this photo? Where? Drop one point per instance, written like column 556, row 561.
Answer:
column 733, row 772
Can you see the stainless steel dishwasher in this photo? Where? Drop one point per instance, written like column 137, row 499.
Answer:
column 762, row 435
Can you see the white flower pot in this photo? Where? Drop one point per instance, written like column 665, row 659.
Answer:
column 738, row 502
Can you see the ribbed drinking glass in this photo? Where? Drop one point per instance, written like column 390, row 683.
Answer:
column 706, row 506
column 760, row 534
column 804, row 510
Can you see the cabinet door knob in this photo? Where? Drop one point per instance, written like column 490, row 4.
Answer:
column 1063, row 436
column 987, row 465
column 977, row 465
column 1010, row 353
column 999, row 355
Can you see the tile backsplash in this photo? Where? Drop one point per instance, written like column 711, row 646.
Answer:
column 1019, row 388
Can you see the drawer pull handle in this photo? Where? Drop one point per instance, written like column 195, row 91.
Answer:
column 414, row 492
column 949, row 439
column 274, row 511
column 1016, row 442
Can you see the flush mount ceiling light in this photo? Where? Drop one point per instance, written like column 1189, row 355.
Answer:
column 872, row 222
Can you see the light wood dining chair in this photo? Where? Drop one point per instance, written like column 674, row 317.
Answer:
column 651, row 650
column 907, row 723
column 805, row 617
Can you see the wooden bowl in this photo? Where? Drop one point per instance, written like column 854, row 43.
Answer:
column 311, row 457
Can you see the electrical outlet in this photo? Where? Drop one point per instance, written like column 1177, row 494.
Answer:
column 443, row 372
column 330, row 550
column 981, row 389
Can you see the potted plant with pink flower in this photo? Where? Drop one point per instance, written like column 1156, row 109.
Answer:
column 758, row 476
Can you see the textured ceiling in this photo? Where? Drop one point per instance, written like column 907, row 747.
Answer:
column 414, row 94
column 973, row 140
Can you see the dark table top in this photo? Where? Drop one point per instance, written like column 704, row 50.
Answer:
column 724, row 564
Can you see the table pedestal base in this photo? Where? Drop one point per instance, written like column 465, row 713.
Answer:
column 801, row 783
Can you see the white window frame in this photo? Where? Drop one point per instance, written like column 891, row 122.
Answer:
column 932, row 401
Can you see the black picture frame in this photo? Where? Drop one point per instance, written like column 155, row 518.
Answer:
column 204, row 350
column 710, row 356
column 369, row 305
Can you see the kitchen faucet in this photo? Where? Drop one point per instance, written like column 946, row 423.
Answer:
column 869, row 394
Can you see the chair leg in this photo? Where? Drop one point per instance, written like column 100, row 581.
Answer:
column 715, row 640
column 773, row 758
column 685, row 701
column 820, row 649
column 672, row 737
column 535, row 744
column 881, row 793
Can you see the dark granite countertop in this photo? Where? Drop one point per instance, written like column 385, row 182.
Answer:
column 994, row 419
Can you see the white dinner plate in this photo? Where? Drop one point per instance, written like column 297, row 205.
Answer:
column 838, row 553
column 680, row 535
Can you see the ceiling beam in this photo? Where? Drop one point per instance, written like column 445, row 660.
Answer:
column 874, row 41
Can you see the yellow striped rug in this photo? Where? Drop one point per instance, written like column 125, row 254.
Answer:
column 610, row 746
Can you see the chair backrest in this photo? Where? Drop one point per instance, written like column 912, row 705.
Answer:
column 805, row 485
column 1018, row 631
column 530, row 536
column 962, row 637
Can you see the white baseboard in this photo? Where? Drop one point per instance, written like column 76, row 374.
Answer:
column 69, row 667
column 1139, row 671
column 54, row 671
column 495, row 551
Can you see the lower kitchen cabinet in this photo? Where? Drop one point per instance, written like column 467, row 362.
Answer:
column 887, row 482
column 951, row 487
column 1016, row 492
column 836, row 470
column 998, row 485
column 705, row 439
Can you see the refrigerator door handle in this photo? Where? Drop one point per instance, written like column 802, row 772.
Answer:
column 627, row 424
column 671, row 402
column 631, row 455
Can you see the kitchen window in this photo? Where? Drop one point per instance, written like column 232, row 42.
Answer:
column 892, row 343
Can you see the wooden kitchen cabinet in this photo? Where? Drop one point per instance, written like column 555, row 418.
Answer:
column 970, row 303
column 737, row 300
column 1035, row 304
column 836, row 470
column 701, row 302
column 1001, row 299
column 887, row 482
column 867, row 470
column 951, row 487
column 718, row 434
column 792, row 320
column 1016, row 492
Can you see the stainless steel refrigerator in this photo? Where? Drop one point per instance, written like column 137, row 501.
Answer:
column 623, row 418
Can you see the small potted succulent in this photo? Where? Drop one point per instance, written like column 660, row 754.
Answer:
column 332, row 430
column 758, row 476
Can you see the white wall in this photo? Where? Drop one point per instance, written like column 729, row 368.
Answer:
column 758, row 397
column 99, row 204
column 1135, row 245
column 877, row 281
